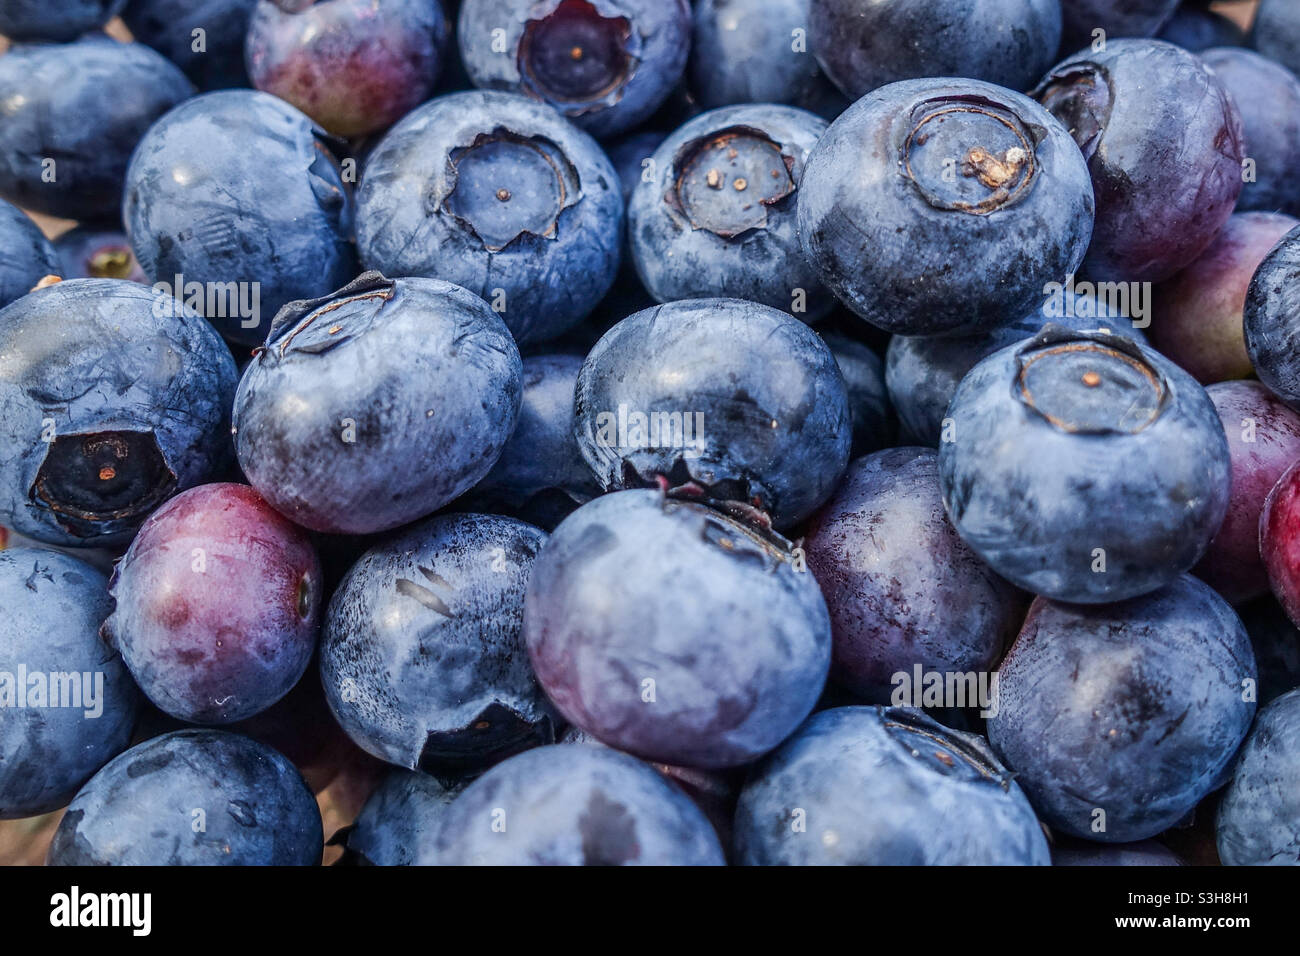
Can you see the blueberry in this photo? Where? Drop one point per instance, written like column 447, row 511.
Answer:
column 399, row 823
column 422, row 656
column 67, row 704
column 1115, row 18
column 605, row 64
column 353, row 66
column 1198, row 30
column 885, row 786
column 717, row 217
column 1276, row 32
column 92, row 251
column 1259, row 818
column 73, row 114
column 60, row 20
column 863, row 46
column 922, row 372
column 1141, row 853
column 1198, row 313
column 940, row 206
column 234, row 202
column 1271, row 319
column 168, row 26
column 901, row 587
column 28, row 255
column 630, row 156
column 756, row 51
column 541, row 472
column 145, row 808
column 112, row 399
column 672, row 632
column 575, row 806
column 1164, row 146
column 1084, row 466
column 1267, row 96
column 1263, row 442
column 496, row 193
column 218, row 603
column 869, row 408
column 736, row 400
column 378, row 404
column 1118, row 719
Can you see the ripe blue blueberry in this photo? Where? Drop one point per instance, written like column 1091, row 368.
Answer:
column 192, row 798
column 234, row 202
column 67, row 703
column 168, row 26
column 669, row 631
column 1118, row 719
column 378, row 404
column 1276, row 32
column 1084, row 466
column 738, row 401
column 28, row 255
column 575, row 806
column 73, row 114
column 112, row 399
column 1272, row 320
column 496, row 193
column 1114, row 18
column 605, row 64
column 716, row 217
column 1259, row 818
column 59, row 20
column 399, row 824
column 873, row 416
column 422, row 656
column 885, row 786
column 939, row 206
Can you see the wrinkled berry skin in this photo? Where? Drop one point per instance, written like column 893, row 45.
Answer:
column 863, row 46
column 53, row 606
column 734, row 667
column 1279, row 540
column 864, row 377
column 97, row 252
column 1141, row 853
column 709, row 226
column 83, row 105
column 743, row 51
column 1267, row 97
column 1198, row 30
column 58, row 20
column 353, row 66
column 576, row 806
column 399, row 824
column 1118, row 18
column 536, row 200
column 422, row 656
column 929, row 253
column 1259, row 817
column 168, row 26
column 218, row 605
column 541, row 469
column 901, row 587
column 1277, row 646
column 1144, row 701
column 1263, row 442
column 1164, row 146
column 885, row 786
column 763, row 409
column 1198, row 313
column 632, row 53
column 112, row 400
column 139, row 810
column 28, row 255
column 377, row 405
column 1084, row 467
column 1271, row 319
column 1276, row 32
column 923, row 372
column 238, row 187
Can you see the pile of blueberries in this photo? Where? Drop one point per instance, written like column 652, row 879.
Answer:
column 748, row 431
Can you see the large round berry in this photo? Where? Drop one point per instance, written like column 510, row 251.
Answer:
column 1259, row 818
